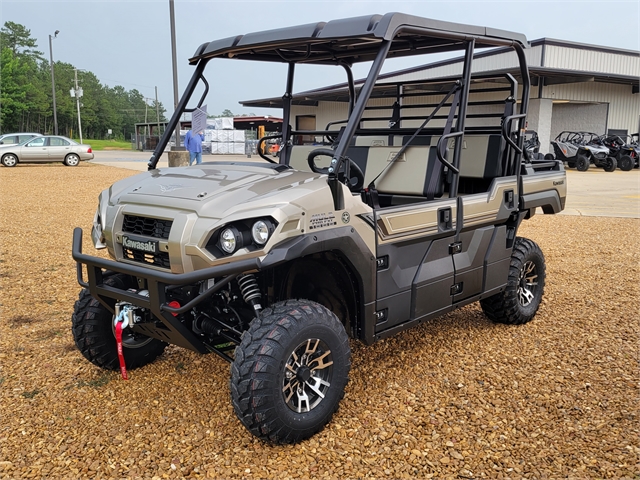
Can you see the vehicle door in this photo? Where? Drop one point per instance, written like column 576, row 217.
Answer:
column 488, row 195
column 58, row 149
column 34, row 151
column 414, row 265
column 413, row 236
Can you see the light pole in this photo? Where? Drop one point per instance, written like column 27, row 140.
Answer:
column 53, row 84
column 77, row 92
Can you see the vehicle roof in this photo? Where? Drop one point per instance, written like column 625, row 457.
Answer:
column 353, row 40
column 21, row 133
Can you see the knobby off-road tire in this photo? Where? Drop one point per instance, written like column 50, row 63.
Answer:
column 582, row 163
column 290, row 371
column 626, row 163
column 610, row 164
column 94, row 335
column 519, row 302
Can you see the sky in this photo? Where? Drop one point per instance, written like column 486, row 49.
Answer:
column 128, row 43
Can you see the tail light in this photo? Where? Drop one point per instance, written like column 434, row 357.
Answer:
column 89, row 151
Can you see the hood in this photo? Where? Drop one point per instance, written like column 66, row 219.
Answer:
column 224, row 184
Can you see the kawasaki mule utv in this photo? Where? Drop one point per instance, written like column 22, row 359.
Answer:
column 407, row 207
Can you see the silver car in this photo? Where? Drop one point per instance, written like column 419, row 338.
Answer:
column 15, row 138
column 48, row 148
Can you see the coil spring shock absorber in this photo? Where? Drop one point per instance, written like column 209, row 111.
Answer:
column 250, row 290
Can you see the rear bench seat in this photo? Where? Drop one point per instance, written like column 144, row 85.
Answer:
column 480, row 162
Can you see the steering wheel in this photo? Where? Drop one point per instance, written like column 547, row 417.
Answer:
column 355, row 175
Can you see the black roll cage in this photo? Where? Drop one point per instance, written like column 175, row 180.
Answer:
column 378, row 45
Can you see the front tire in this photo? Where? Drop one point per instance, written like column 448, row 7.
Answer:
column 93, row 333
column 582, row 163
column 519, row 302
column 610, row 164
column 290, row 371
column 626, row 163
column 9, row 160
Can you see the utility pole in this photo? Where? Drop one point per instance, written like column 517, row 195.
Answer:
column 53, row 83
column 172, row 19
column 158, row 113
column 77, row 92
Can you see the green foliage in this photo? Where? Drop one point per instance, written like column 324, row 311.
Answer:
column 18, row 39
column 26, row 98
column 108, row 144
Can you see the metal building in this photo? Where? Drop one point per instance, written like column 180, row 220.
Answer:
column 575, row 87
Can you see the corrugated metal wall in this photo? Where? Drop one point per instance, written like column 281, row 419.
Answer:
column 331, row 111
column 591, row 61
column 492, row 62
column 624, row 107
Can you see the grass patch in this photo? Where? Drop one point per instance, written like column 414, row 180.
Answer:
column 20, row 320
column 101, row 381
column 30, row 394
column 107, row 144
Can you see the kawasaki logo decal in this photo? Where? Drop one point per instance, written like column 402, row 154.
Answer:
column 149, row 246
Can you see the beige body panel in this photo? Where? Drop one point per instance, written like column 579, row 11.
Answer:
column 215, row 196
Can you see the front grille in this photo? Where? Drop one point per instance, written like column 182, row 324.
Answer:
column 160, row 259
column 150, row 227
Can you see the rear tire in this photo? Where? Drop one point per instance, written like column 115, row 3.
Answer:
column 71, row 160
column 290, row 371
column 582, row 163
column 549, row 156
column 93, row 333
column 610, row 164
column 519, row 302
column 626, row 163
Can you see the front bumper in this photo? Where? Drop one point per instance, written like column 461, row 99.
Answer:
column 170, row 330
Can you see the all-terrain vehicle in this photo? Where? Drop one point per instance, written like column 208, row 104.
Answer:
column 532, row 145
column 626, row 152
column 409, row 210
column 580, row 149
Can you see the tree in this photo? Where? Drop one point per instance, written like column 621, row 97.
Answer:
column 26, row 102
column 18, row 39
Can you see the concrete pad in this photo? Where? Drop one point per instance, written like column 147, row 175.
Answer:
column 597, row 193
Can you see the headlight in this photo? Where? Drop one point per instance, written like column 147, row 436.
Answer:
column 260, row 231
column 230, row 240
column 251, row 234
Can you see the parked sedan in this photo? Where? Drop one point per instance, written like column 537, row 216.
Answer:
column 48, row 148
column 15, row 138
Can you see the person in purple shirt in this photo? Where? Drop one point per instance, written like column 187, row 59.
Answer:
column 193, row 142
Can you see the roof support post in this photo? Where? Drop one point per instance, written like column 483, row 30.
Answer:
column 175, row 118
column 363, row 97
column 285, row 153
column 351, row 86
column 462, row 113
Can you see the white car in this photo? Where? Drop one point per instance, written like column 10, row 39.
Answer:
column 48, row 148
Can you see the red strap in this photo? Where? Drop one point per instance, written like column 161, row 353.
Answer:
column 123, row 368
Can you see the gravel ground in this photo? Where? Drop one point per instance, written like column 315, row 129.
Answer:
column 458, row 397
